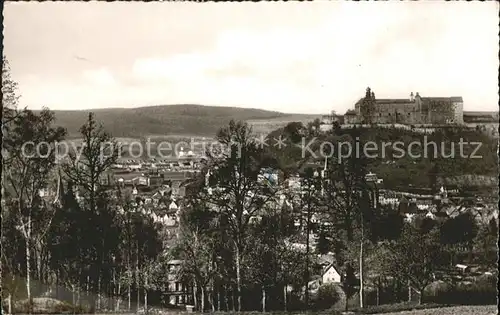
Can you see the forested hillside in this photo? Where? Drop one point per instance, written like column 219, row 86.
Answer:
column 166, row 120
column 442, row 161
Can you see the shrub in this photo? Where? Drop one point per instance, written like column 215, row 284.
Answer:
column 481, row 292
column 327, row 297
column 25, row 306
column 66, row 308
column 48, row 306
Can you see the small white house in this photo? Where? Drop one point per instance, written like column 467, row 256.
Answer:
column 331, row 275
column 462, row 268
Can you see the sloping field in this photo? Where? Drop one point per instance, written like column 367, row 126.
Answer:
column 456, row 310
column 265, row 126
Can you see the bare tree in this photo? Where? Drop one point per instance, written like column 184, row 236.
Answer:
column 415, row 258
column 238, row 192
column 29, row 158
column 86, row 167
column 99, row 151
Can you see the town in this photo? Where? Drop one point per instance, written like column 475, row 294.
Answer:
column 166, row 192
column 334, row 158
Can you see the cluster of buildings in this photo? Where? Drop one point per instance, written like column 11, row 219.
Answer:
column 414, row 110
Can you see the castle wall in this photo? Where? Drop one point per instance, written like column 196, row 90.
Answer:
column 415, row 111
column 441, row 111
column 397, row 113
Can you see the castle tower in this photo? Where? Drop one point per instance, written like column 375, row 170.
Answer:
column 418, row 101
column 411, row 97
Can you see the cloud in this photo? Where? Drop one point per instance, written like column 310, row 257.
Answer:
column 303, row 57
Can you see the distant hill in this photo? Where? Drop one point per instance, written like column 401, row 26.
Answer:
column 165, row 120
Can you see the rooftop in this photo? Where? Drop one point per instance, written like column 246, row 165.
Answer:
column 407, row 101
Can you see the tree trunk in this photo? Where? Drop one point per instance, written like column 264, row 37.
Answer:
column 87, row 287
column 219, row 299
column 202, row 304
column 308, row 231
column 409, row 291
column 38, row 259
column 10, row 304
column 114, row 291
column 129, row 293
column 263, row 299
column 226, row 297
column 138, row 298
column 137, row 281
column 361, row 285
column 145, row 292
column 421, row 295
column 118, row 295
column 28, row 259
column 57, row 285
column 378, row 293
column 212, row 297
column 78, row 296
column 73, row 294
column 238, row 279
column 99, row 290
column 285, row 293
column 233, row 304
column 195, row 295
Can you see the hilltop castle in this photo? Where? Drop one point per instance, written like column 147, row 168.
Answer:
column 414, row 110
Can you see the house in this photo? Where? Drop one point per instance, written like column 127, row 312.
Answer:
column 462, row 268
column 177, row 292
column 331, row 275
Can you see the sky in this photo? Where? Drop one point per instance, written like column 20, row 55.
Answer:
column 302, row 57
